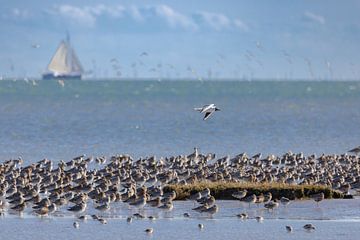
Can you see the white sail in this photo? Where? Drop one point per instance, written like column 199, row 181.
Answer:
column 75, row 63
column 65, row 61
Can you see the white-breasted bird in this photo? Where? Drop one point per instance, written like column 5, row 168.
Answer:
column 208, row 110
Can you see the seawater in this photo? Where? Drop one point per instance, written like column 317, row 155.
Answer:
column 42, row 119
column 333, row 219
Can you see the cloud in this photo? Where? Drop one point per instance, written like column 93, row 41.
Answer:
column 87, row 15
column 78, row 14
column 314, row 17
column 174, row 18
column 216, row 21
column 136, row 14
column 17, row 14
column 241, row 25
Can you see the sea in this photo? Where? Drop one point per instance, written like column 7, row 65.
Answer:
column 59, row 120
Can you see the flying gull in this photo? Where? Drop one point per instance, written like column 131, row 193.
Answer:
column 208, row 110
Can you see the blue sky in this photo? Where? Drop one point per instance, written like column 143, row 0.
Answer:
column 310, row 39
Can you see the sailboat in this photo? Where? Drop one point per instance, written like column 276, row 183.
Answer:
column 64, row 64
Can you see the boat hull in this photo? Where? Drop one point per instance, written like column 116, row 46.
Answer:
column 51, row 76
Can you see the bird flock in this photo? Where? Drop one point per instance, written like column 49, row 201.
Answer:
column 45, row 187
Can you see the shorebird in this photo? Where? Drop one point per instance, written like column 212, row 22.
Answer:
column 196, row 196
column 267, row 197
column 155, row 202
column 249, row 199
column 211, row 210
column 318, row 197
column 200, row 226
column 149, row 230
column 83, row 218
column 76, row 225
column 209, row 200
column 78, row 208
column 187, row 215
column 129, row 219
column 355, row 150
column 102, row 221
column 271, row 205
column 260, row 199
column 201, row 208
column 242, row 215
column 138, row 216
column 309, row 226
column 205, row 192
column 288, row 228
column 42, row 211
column 284, row 201
column 103, row 207
column 19, row 208
column 140, row 203
column 167, row 206
column 208, row 110
column 259, row 218
column 239, row 194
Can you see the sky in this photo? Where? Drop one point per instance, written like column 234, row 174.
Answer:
column 212, row 39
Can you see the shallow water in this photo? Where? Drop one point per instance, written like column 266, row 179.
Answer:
column 333, row 219
column 148, row 117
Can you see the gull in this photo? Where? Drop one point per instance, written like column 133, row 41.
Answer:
column 35, row 45
column 144, row 54
column 208, row 110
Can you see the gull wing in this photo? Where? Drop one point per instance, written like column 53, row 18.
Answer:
column 207, row 115
column 198, row 109
column 207, row 108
